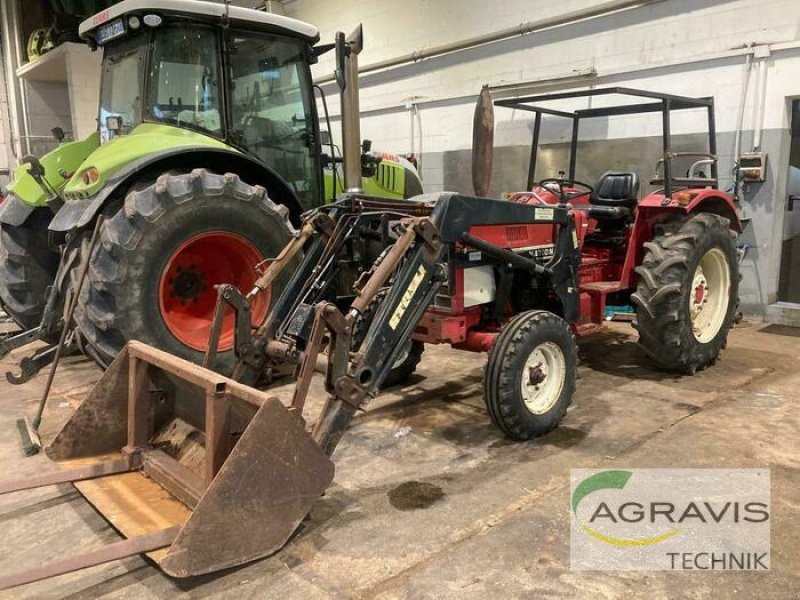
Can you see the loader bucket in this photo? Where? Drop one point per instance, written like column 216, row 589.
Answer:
column 198, row 471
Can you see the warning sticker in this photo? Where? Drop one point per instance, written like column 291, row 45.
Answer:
column 544, row 214
column 401, row 309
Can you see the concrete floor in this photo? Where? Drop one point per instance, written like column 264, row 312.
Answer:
column 493, row 520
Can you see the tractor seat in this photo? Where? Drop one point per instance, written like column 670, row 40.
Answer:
column 616, row 190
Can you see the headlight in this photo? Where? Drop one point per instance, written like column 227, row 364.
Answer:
column 90, row 176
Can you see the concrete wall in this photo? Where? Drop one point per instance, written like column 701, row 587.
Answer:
column 690, row 47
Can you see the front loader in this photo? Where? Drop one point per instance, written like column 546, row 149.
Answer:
column 231, row 471
column 202, row 472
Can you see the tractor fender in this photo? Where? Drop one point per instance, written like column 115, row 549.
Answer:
column 14, row 211
column 76, row 214
column 705, row 200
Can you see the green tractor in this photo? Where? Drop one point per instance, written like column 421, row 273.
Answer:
column 208, row 150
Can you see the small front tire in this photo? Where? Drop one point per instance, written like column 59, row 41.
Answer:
column 530, row 375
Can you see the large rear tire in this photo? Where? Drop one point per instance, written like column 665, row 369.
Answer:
column 27, row 268
column 687, row 291
column 153, row 272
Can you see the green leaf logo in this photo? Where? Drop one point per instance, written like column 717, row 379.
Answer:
column 604, row 480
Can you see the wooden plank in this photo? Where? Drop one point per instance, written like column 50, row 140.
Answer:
column 178, row 480
column 135, row 505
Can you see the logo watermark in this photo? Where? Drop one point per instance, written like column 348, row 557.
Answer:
column 670, row 519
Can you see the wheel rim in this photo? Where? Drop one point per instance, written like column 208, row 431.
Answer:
column 709, row 296
column 186, row 290
column 404, row 354
column 543, row 378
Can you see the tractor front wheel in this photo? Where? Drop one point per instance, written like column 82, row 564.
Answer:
column 530, row 374
column 687, row 290
column 153, row 272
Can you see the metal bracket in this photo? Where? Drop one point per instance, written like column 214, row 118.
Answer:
column 229, row 295
column 18, row 340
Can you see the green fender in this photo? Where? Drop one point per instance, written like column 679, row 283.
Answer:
column 144, row 140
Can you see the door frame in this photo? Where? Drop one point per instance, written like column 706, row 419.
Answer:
column 779, row 311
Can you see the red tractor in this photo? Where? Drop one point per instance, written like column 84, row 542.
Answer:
column 672, row 252
column 517, row 278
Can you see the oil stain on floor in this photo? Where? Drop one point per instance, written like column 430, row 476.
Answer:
column 413, row 495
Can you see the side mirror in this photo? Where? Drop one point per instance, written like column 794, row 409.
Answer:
column 58, row 134
column 341, row 53
column 325, row 137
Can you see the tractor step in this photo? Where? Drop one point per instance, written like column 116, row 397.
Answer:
column 595, row 293
column 602, row 287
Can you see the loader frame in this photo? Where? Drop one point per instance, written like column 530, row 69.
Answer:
column 306, row 319
column 261, row 471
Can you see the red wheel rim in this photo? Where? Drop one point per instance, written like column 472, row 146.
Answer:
column 186, row 294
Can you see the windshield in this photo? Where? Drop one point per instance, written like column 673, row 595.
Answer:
column 271, row 100
column 120, row 88
column 271, row 107
column 184, row 79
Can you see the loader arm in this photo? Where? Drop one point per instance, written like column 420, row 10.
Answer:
column 313, row 329
column 354, row 380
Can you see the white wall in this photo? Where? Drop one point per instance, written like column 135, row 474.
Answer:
column 688, row 47
column 666, row 32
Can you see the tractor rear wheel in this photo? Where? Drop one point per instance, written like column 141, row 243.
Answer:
column 153, row 272
column 530, row 374
column 687, row 291
column 27, row 268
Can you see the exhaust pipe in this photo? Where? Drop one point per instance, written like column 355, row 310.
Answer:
column 347, row 51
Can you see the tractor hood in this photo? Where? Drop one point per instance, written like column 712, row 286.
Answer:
column 106, row 162
column 65, row 159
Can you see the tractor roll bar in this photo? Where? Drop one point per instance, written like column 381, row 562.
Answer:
column 664, row 103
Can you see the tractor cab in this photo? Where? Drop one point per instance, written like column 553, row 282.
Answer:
column 246, row 84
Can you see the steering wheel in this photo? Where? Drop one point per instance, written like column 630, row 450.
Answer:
column 561, row 183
